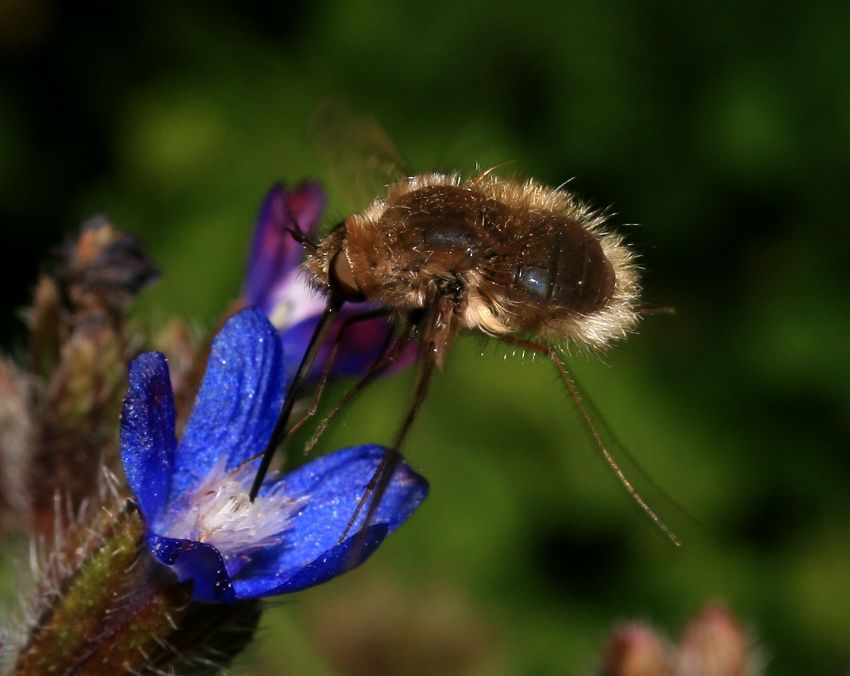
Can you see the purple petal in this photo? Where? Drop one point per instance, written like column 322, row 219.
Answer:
column 295, row 341
column 275, row 254
column 360, row 345
column 238, row 402
column 197, row 562
column 362, row 342
column 276, row 283
column 307, row 202
column 332, row 486
column 147, row 433
column 292, row 301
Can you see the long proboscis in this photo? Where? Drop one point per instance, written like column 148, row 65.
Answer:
column 304, row 368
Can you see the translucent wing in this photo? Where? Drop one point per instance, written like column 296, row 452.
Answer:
column 360, row 159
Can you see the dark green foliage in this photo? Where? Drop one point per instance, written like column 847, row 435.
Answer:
column 720, row 128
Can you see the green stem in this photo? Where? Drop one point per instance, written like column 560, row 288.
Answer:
column 121, row 611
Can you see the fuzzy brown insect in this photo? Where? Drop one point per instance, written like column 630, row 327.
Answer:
column 518, row 261
column 513, row 258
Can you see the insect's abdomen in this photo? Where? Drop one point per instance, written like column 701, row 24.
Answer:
column 562, row 266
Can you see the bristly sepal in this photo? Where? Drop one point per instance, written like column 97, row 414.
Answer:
column 106, row 606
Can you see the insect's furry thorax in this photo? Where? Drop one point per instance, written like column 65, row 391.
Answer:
column 528, row 259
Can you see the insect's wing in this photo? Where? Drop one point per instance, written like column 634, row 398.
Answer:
column 619, row 458
column 601, row 436
column 360, row 159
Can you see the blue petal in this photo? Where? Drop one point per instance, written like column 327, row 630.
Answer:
column 197, row 562
column 332, row 486
column 337, row 560
column 238, row 402
column 274, row 251
column 147, row 433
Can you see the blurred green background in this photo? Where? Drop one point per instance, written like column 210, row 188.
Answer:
column 722, row 129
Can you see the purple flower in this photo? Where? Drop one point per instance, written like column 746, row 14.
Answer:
column 193, row 495
column 276, row 283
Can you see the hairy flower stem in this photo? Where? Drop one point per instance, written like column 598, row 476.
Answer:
column 119, row 611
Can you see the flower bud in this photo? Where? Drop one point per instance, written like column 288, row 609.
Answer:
column 714, row 644
column 636, row 650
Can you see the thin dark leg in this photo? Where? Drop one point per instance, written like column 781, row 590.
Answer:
column 587, row 420
column 331, row 361
column 429, row 354
column 387, row 358
column 381, row 478
column 294, row 390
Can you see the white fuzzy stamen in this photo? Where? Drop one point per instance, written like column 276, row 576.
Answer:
column 220, row 513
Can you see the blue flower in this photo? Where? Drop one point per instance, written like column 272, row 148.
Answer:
column 193, row 495
column 275, row 282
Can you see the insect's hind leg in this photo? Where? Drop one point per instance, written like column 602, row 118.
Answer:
column 439, row 330
column 381, row 478
column 390, row 353
column 573, row 390
column 346, row 325
column 281, row 432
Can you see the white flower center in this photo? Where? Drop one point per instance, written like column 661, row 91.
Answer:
column 220, row 513
column 293, row 300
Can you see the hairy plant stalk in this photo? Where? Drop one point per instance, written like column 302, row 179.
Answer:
column 106, row 607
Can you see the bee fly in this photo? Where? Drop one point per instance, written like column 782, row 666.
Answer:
column 520, row 262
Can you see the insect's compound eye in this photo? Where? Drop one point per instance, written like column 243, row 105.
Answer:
column 342, row 280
